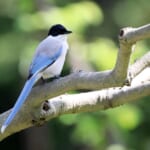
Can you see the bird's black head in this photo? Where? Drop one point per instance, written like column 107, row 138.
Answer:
column 58, row 29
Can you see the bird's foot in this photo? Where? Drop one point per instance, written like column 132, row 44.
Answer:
column 52, row 79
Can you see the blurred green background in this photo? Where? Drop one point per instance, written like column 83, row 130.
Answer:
column 93, row 47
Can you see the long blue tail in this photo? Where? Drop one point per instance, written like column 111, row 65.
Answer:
column 21, row 99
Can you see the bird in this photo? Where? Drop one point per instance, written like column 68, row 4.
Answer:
column 47, row 63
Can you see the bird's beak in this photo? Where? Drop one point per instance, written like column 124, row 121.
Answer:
column 68, row 32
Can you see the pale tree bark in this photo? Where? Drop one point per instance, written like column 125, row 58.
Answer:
column 109, row 88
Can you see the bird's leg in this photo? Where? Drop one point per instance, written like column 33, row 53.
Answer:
column 50, row 79
column 41, row 81
column 54, row 78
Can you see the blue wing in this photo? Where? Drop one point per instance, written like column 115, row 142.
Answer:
column 40, row 63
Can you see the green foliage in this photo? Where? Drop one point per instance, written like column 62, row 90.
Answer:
column 99, row 52
column 77, row 20
column 88, row 129
column 131, row 12
column 126, row 117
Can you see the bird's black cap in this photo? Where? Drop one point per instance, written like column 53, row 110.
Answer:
column 58, row 29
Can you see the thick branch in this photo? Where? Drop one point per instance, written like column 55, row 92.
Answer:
column 93, row 101
column 76, row 103
column 132, row 35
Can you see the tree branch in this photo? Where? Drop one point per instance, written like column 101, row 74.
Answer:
column 140, row 65
column 132, row 35
column 91, row 101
